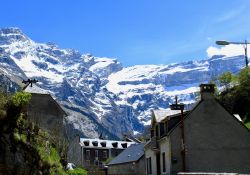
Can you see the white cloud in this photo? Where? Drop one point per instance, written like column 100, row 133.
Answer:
column 228, row 50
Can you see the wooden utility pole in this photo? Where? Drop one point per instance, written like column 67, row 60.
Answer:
column 177, row 106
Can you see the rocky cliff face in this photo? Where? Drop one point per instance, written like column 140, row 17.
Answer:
column 98, row 93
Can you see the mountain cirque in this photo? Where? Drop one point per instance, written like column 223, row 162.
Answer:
column 99, row 94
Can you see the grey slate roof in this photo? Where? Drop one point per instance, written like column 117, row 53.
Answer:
column 164, row 113
column 131, row 154
column 35, row 90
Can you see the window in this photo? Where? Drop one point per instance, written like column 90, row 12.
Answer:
column 115, row 144
column 149, row 166
column 163, row 162
column 124, row 145
column 96, row 153
column 87, row 154
column 105, row 156
column 166, row 127
column 162, row 129
column 152, row 133
column 96, row 162
column 157, row 130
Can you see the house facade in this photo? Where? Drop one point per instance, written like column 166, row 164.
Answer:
column 210, row 140
column 215, row 141
column 131, row 161
column 44, row 111
column 92, row 153
column 157, row 150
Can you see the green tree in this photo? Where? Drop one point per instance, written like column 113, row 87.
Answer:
column 243, row 92
column 237, row 99
column 244, row 77
column 3, row 104
column 225, row 79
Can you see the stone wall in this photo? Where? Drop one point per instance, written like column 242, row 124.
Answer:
column 165, row 148
column 215, row 141
column 74, row 154
column 130, row 168
column 150, row 153
column 44, row 111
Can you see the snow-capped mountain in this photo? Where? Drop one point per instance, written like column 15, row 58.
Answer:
column 98, row 93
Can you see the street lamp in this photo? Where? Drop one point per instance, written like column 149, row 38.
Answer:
column 242, row 43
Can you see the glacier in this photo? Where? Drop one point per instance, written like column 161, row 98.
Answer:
column 99, row 94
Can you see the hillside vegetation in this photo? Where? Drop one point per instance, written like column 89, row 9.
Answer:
column 236, row 94
column 24, row 148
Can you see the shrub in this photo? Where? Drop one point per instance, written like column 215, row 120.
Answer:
column 3, row 104
column 21, row 99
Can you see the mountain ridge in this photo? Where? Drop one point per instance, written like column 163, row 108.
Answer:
column 100, row 94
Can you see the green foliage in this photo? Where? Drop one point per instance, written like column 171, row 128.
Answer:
column 77, row 171
column 244, row 84
column 108, row 160
column 21, row 99
column 244, row 77
column 246, row 122
column 247, row 125
column 237, row 99
column 48, row 153
column 21, row 121
column 29, row 138
column 3, row 104
column 3, row 100
column 225, row 79
column 20, row 137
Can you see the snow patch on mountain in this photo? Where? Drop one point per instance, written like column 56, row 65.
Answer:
column 99, row 94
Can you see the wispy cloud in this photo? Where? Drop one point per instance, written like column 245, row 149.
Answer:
column 229, row 15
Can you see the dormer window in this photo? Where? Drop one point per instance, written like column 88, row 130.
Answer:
column 103, row 144
column 95, row 143
column 115, row 144
column 124, row 145
column 86, row 143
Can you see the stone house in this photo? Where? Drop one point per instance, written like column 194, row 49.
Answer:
column 92, row 153
column 157, row 149
column 213, row 140
column 131, row 161
column 44, row 111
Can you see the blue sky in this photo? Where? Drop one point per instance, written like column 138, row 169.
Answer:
column 134, row 31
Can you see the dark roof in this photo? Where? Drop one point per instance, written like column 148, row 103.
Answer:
column 35, row 90
column 190, row 113
column 131, row 154
column 131, row 139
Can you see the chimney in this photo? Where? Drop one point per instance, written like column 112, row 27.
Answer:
column 207, row 91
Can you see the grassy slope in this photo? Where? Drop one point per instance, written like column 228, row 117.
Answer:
column 34, row 145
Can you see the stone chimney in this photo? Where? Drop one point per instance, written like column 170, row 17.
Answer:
column 207, row 91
